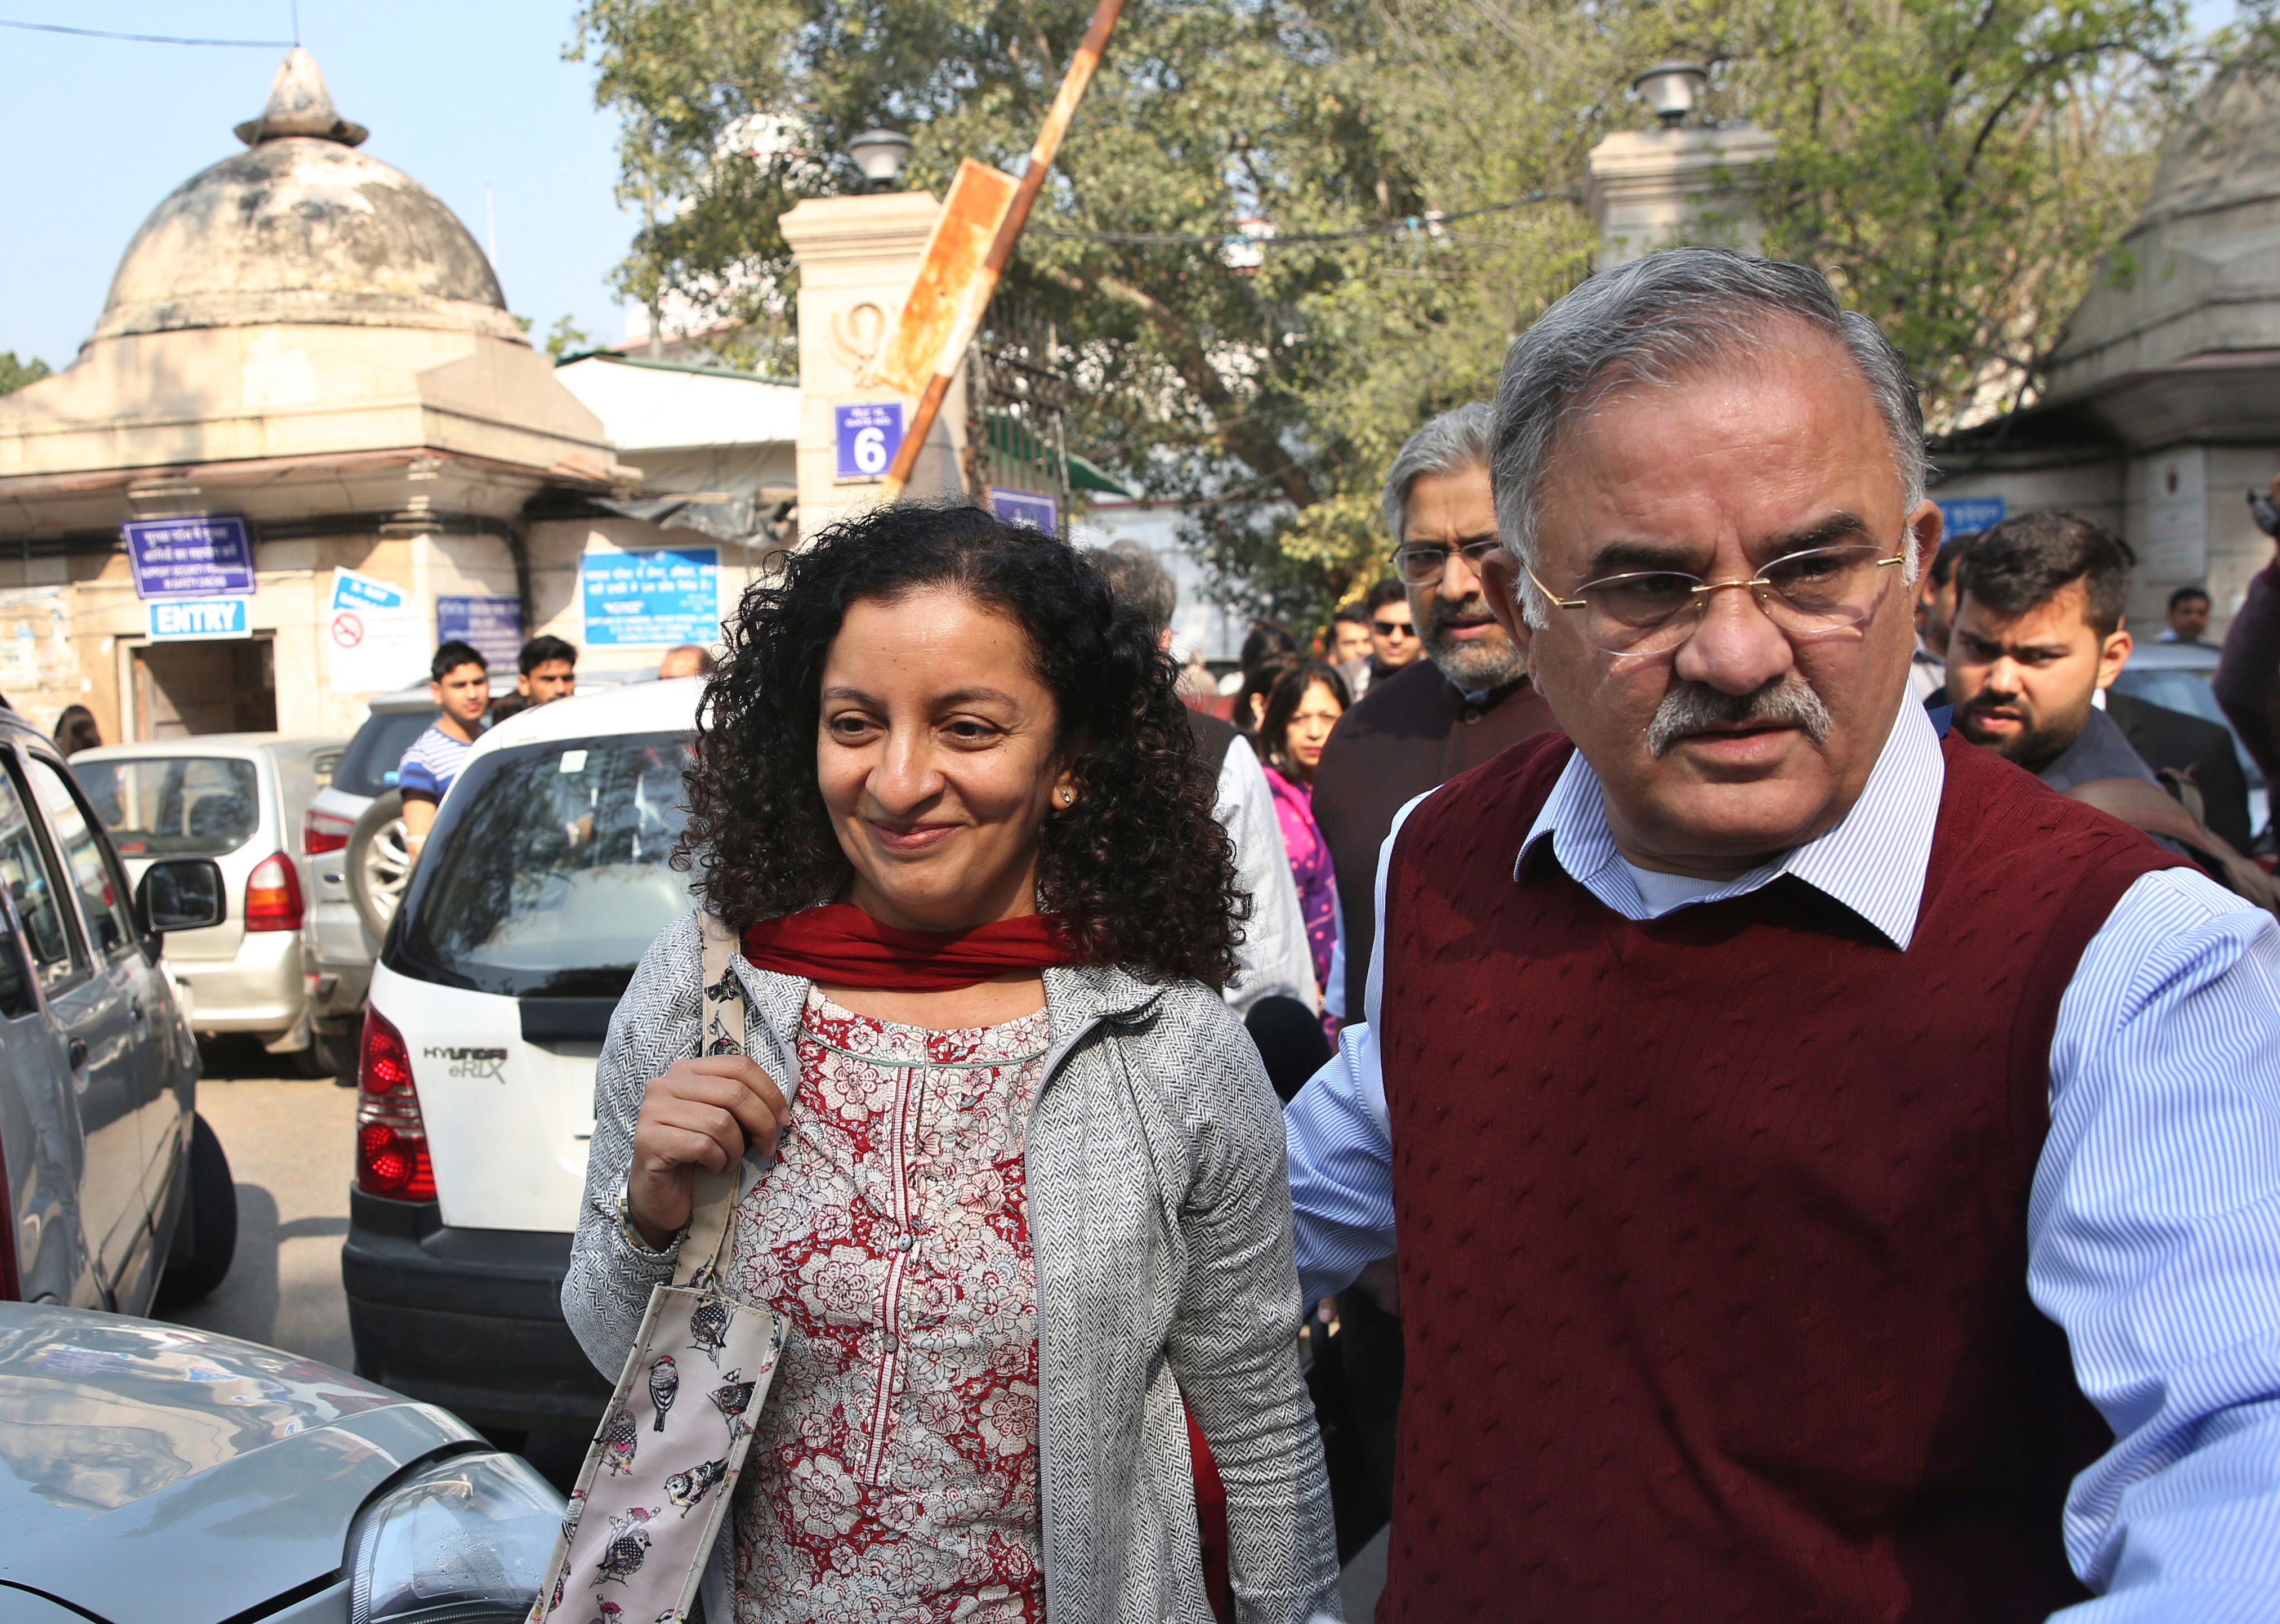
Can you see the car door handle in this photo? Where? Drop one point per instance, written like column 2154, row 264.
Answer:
column 78, row 1053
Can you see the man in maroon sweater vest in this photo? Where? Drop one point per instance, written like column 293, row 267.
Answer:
column 1837, row 1177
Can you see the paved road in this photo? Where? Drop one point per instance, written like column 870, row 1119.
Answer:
column 291, row 1149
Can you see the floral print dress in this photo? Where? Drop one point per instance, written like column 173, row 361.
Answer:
column 894, row 1470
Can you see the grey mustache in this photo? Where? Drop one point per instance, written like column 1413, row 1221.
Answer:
column 1787, row 701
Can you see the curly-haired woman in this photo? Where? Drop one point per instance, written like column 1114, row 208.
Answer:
column 1028, row 1213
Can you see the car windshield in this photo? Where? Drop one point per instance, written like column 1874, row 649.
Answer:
column 368, row 767
column 174, row 805
column 548, row 873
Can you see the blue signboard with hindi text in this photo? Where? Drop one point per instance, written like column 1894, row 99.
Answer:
column 1026, row 507
column 1970, row 515
column 652, row 599
column 189, row 558
column 490, row 625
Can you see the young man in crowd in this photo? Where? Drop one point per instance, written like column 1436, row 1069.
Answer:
column 460, row 683
column 1791, row 1116
column 1393, row 644
column 2189, row 616
column 2039, row 637
column 546, row 670
column 1348, row 649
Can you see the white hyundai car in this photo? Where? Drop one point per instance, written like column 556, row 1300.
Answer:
column 544, row 881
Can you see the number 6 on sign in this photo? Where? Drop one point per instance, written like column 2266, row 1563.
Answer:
column 867, row 437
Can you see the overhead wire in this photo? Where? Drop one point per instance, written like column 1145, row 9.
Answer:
column 140, row 38
column 1237, row 239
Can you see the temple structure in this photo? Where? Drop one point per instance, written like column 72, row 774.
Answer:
column 305, row 344
column 2162, row 405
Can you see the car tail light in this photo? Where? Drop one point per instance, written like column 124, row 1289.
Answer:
column 392, row 1140
column 322, row 832
column 273, row 894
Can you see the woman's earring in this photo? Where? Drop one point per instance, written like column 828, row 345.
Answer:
column 1065, row 796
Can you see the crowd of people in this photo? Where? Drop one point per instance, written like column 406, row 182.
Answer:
column 1779, row 1089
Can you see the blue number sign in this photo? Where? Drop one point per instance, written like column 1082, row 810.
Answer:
column 868, row 437
column 189, row 558
column 652, row 599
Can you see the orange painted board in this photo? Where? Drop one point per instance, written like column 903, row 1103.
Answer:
column 936, row 320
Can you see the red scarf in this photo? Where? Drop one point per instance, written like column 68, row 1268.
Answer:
column 841, row 946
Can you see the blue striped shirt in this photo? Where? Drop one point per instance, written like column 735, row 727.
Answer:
column 2153, row 1227
column 432, row 763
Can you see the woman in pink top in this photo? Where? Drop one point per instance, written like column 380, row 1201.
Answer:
column 1301, row 708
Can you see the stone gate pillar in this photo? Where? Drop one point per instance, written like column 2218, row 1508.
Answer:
column 1691, row 185
column 856, row 259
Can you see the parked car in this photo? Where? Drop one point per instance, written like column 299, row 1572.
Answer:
column 358, row 864
column 238, row 799
column 2177, row 675
column 108, row 1176
column 544, row 881
column 156, row 1474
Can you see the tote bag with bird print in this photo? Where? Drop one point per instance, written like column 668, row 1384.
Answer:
column 649, row 1500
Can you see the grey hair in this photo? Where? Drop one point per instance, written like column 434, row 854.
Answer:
column 1137, row 579
column 1653, row 322
column 1461, row 438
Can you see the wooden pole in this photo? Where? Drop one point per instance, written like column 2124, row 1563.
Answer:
column 1009, row 232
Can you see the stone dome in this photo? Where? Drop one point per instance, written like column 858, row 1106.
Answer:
column 302, row 228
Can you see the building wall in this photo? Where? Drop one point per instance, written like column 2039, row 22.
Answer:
column 69, row 626
column 557, row 548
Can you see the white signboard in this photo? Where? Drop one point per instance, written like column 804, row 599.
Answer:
column 375, row 640
column 2176, row 516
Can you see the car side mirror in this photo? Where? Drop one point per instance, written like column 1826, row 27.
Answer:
column 182, row 893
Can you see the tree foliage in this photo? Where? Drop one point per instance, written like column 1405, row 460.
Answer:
column 1284, row 231
column 15, row 374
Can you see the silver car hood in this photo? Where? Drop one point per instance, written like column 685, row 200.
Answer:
column 156, row 1474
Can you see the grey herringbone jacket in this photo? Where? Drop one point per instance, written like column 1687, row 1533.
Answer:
column 1160, row 1213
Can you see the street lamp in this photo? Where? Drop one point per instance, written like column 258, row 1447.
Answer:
column 880, row 155
column 1671, row 87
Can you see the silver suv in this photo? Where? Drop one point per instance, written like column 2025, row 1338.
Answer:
column 107, row 1177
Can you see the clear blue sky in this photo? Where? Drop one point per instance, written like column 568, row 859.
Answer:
column 93, row 132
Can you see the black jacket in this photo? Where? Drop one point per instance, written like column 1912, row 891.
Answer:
column 2201, row 750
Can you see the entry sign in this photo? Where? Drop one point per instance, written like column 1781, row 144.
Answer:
column 491, row 626
column 1026, row 507
column 868, row 438
column 192, row 619
column 189, row 558
column 1970, row 515
column 650, row 599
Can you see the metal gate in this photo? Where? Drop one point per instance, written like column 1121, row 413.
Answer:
column 1018, row 400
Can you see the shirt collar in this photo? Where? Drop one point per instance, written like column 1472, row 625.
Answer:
column 1873, row 862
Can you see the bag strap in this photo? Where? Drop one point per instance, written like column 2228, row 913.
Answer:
column 704, row 1248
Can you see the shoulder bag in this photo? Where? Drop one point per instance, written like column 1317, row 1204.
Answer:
column 651, row 1499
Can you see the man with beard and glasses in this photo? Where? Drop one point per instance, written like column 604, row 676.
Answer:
column 1834, row 1172
column 1412, row 729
